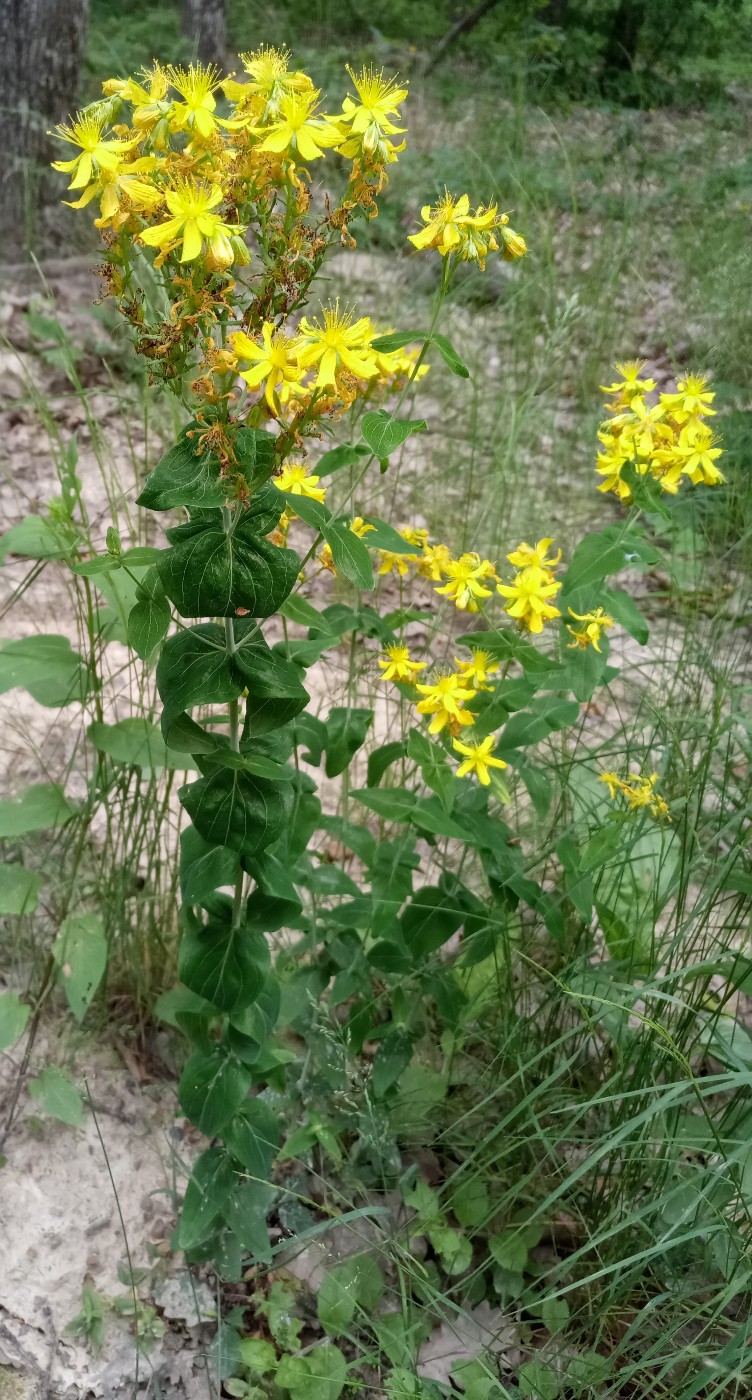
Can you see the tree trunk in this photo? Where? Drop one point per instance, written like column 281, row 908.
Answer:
column 624, row 35
column 554, row 13
column 41, row 48
column 204, row 24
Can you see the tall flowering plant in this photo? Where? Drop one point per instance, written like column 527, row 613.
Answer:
column 214, row 233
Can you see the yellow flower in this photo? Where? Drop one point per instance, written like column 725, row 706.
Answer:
column 514, row 245
column 271, row 79
column 451, row 228
column 414, row 534
column 700, row 451
column 397, row 666
column 121, row 192
column 465, row 577
column 639, row 791
column 529, row 593
column 197, row 85
column 526, row 554
column 96, row 154
column 297, row 132
column 147, row 99
column 691, row 400
column 340, row 343
column 434, row 562
column 395, row 563
column 589, row 633
column 367, row 122
column 297, row 479
column 275, row 361
column 478, row 759
column 444, row 698
column 359, row 527
column 630, row 384
column 477, row 671
column 191, row 205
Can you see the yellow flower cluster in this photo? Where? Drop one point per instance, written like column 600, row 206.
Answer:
column 451, row 228
column 329, row 357
column 639, row 791
column 665, row 437
column 533, row 586
column 443, row 699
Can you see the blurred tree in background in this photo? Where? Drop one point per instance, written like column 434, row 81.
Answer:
column 41, row 50
column 204, row 24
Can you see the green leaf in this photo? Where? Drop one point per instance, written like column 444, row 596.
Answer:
column 296, row 608
column 392, row 1058
column 212, row 1087
column 337, row 1298
column 506, row 645
column 98, row 564
column 276, row 693
column 384, row 434
column 346, row 455
column 555, row 1314
column 313, row 513
column 258, row 1355
column 13, row 1017
column 384, row 536
column 453, row 1248
column 346, row 731
column 19, row 889
column 319, row 1376
column 537, row 1381
column 47, row 667
column 58, row 1096
column 382, row 758
column 546, row 714
column 187, row 477
column 245, row 1214
column 601, row 847
column 395, row 803
column 80, row 951
column 509, row 1250
column 236, row 809
column 252, row 1136
column 395, row 340
column 135, row 741
column 203, row 868
column 449, row 356
column 210, row 572
column 194, row 669
column 38, row 537
column 210, row 1184
column 349, row 554
column 471, row 1202
column 624, row 610
column 148, row 621
column 607, row 552
column 429, row 920
column 225, row 965
column 430, row 815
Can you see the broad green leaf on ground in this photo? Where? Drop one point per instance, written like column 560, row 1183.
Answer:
column 429, row 920
column 80, row 951
column 392, row 1058
column 245, row 1215
column 321, row 1375
column 19, row 889
column 212, row 1088
column 57, row 1095
column 46, row 666
column 346, row 731
column 210, row 1184
column 210, row 572
column 233, row 808
column 509, row 1250
column 194, row 669
column 225, row 965
column 38, row 537
column 384, row 434
column 337, row 1297
column 14, row 1014
column 40, row 808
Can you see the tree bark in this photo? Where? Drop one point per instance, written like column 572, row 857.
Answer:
column 204, row 24
column 41, row 48
column 624, row 35
column 463, row 25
